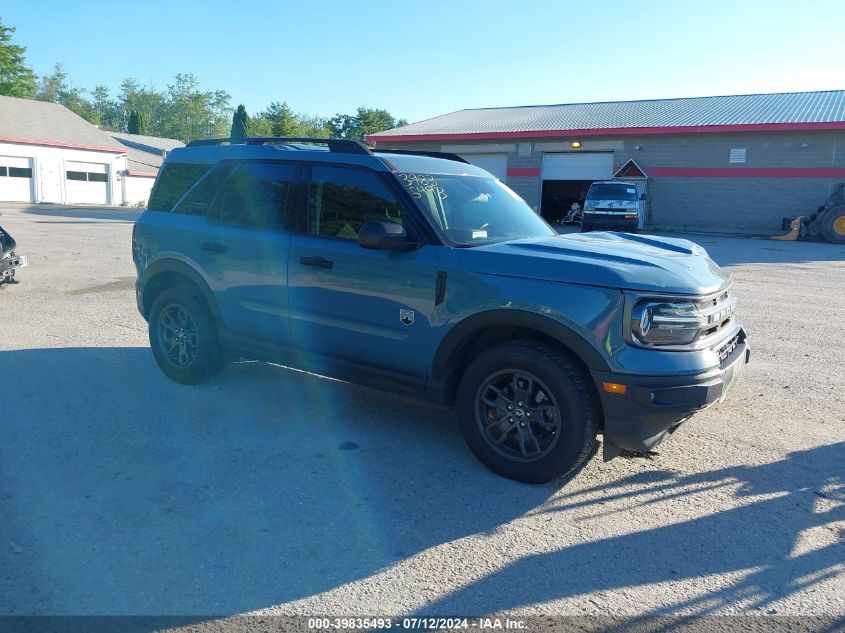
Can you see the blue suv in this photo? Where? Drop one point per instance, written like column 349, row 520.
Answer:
column 418, row 273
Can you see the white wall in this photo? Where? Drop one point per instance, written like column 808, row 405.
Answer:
column 49, row 167
column 137, row 189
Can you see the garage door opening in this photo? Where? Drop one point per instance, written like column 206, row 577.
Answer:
column 558, row 196
column 567, row 177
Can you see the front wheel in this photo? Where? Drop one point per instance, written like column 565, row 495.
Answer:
column 527, row 412
column 183, row 336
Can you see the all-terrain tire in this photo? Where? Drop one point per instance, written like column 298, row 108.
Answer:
column 564, row 450
column 180, row 321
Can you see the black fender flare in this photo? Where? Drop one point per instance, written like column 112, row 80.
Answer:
column 176, row 266
column 476, row 323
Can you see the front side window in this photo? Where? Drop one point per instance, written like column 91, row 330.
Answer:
column 341, row 200
column 258, row 195
column 473, row 210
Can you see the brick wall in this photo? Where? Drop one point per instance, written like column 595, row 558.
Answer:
column 701, row 202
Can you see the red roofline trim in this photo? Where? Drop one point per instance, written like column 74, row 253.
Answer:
column 617, row 131
column 28, row 141
column 140, row 174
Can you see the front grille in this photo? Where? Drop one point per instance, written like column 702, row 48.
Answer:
column 719, row 311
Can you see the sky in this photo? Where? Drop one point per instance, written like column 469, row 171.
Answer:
column 422, row 59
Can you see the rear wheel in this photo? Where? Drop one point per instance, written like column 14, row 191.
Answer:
column 833, row 225
column 183, row 336
column 527, row 412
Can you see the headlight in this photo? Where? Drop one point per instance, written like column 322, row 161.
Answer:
column 666, row 322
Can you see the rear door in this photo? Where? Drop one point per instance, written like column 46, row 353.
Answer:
column 248, row 249
column 351, row 303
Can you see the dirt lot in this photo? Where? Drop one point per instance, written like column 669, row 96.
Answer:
column 276, row 491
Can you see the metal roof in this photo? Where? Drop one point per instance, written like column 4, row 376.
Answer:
column 801, row 109
column 44, row 123
column 152, row 144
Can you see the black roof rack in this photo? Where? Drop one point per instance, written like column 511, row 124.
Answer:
column 342, row 146
column 421, row 152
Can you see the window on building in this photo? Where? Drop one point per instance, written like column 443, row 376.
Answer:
column 738, row 155
column 4, row 171
column 86, row 176
column 20, row 172
column 258, row 194
column 341, row 200
column 172, row 183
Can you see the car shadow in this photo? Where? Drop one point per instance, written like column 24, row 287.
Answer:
column 758, row 539
column 124, row 493
column 129, row 214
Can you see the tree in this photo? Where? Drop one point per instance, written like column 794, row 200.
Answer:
column 258, row 126
column 135, row 98
column 365, row 121
column 16, row 78
column 190, row 113
column 282, row 119
column 137, row 123
column 57, row 88
column 240, row 121
column 107, row 110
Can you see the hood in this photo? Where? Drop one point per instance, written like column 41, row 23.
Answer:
column 612, row 260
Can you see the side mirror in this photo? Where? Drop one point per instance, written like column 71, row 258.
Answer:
column 382, row 235
column 642, row 196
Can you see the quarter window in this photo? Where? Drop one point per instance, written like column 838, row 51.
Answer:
column 258, row 195
column 342, row 200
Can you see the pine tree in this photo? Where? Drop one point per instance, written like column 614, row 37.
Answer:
column 240, row 121
column 133, row 126
column 16, row 78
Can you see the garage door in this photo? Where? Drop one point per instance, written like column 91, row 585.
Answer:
column 16, row 179
column 86, row 183
column 496, row 164
column 578, row 166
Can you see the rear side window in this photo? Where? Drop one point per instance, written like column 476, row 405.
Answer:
column 258, row 195
column 198, row 199
column 341, row 200
column 172, row 183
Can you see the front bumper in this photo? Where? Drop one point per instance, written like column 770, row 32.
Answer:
column 654, row 406
column 601, row 222
column 9, row 263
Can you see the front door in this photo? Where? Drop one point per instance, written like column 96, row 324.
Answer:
column 351, row 303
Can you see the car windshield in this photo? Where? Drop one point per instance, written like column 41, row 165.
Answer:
column 474, row 210
column 612, row 192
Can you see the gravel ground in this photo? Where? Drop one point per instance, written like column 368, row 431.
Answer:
column 275, row 491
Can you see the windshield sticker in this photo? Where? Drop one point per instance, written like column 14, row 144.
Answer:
column 479, row 235
column 632, row 190
column 419, row 184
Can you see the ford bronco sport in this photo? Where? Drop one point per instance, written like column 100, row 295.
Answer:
column 419, row 273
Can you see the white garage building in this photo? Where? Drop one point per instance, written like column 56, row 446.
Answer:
column 49, row 154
